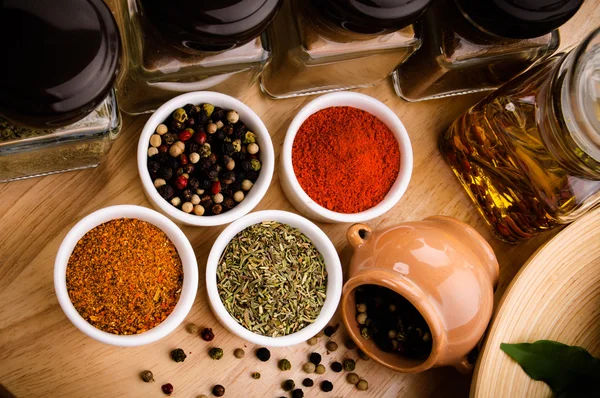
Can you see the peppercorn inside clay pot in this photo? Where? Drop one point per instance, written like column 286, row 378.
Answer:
column 433, row 282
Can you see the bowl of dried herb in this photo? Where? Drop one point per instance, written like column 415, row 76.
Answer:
column 126, row 275
column 274, row 278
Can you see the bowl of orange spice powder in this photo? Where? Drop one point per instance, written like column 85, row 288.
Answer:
column 346, row 158
column 126, row 275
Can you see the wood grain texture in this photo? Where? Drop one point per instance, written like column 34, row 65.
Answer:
column 556, row 296
column 42, row 354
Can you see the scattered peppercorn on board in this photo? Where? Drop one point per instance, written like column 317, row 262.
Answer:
column 43, row 354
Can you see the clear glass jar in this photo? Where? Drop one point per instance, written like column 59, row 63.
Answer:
column 474, row 46
column 165, row 60
column 528, row 155
column 58, row 110
column 29, row 152
column 318, row 50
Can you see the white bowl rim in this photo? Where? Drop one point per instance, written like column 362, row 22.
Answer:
column 184, row 249
column 406, row 159
column 332, row 265
column 250, row 118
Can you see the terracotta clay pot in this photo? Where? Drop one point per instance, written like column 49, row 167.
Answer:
column 444, row 268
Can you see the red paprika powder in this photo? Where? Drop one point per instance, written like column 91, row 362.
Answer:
column 345, row 159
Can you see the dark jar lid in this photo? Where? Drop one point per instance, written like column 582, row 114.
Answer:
column 519, row 19
column 210, row 25
column 371, row 16
column 61, row 59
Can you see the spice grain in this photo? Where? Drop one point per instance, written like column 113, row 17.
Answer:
column 124, row 276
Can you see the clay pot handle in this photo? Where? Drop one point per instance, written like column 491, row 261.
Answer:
column 464, row 366
column 358, row 234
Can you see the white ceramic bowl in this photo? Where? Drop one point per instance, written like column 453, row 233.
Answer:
column 254, row 124
column 294, row 192
column 323, row 245
column 186, row 253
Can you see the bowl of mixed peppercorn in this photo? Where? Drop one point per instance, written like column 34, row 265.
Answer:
column 205, row 159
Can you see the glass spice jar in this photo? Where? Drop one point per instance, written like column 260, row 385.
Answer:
column 178, row 46
column 330, row 45
column 57, row 110
column 472, row 46
column 528, row 155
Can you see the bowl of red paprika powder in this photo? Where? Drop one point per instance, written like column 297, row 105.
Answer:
column 126, row 275
column 346, row 158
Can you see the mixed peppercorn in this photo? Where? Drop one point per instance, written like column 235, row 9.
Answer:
column 203, row 159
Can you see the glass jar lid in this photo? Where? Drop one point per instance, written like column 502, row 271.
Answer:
column 211, row 25
column 61, row 60
column 371, row 16
column 519, row 19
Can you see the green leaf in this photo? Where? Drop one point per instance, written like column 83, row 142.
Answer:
column 569, row 371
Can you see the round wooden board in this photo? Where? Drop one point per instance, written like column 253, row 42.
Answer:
column 555, row 296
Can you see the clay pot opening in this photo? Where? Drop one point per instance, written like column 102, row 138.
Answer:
column 392, row 360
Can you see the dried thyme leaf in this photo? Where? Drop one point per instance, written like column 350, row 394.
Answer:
column 272, row 279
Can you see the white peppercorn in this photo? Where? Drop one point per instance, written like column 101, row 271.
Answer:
column 361, row 318
column 211, row 128
column 218, row 198
column 219, row 124
column 187, row 207
column 176, row 201
column 233, row 117
column 175, row 150
column 159, row 182
column 194, row 157
column 195, row 199
column 161, row 129
column 247, row 185
column 199, row 210
column 252, row 149
column 238, row 196
column 155, row 140
column 152, row 151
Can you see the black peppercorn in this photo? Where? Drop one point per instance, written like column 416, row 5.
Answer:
column 315, row 358
column 246, row 165
column 176, row 126
column 239, row 130
column 190, row 110
column 202, row 117
column 330, row 330
column 252, row 175
column 228, row 203
column 204, row 164
column 326, row 386
column 218, row 390
column 190, row 123
column 205, row 183
column 166, row 191
column 288, row 385
column 192, row 147
column 227, row 148
column 193, row 184
column 178, row 355
column 147, row 376
column 189, row 168
column 263, row 354
column 213, row 174
column 207, row 334
column 228, row 130
column 227, row 177
column 219, row 135
column 218, row 114
column 167, row 388
column 308, row 382
column 165, row 173
column 169, row 138
column 206, row 201
column 297, row 393
column 186, row 195
column 350, row 344
column 179, row 171
column 217, row 209
column 153, row 166
column 336, row 367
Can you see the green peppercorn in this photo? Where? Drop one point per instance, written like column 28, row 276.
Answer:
column 288, row 385
column 237, row 145
column 320, row 369
column 215, row 353
column 178, row 355
column 365, row 332
column 362, row 385
column 309, row 367
column 362, row 355
column 249, row 137
column 191, row 328
column 256, row 375
column 180, row 115
column 361, row 307
column 331, row 346
column 147, row 376
column 352, row 378
column 239, row 353
column 284, row 365
column 208, row 109
column 361, row 318
column 255, row 164
column 312, row 341
column 205, row 150
column 349, row 365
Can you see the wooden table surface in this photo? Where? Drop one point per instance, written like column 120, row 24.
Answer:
column 42, row 354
